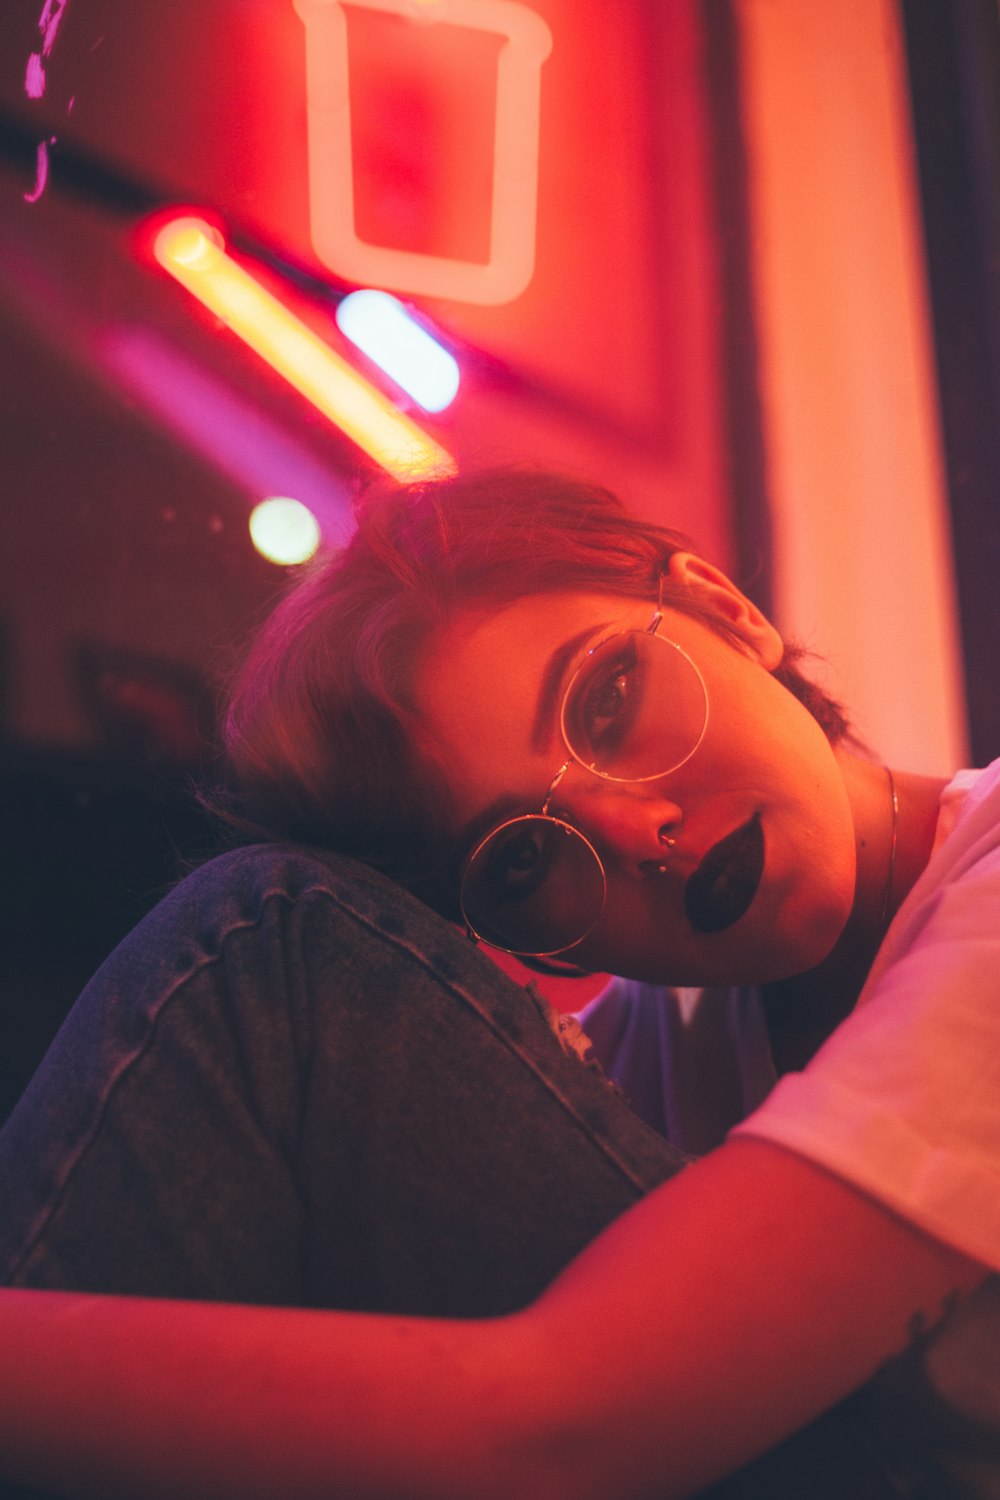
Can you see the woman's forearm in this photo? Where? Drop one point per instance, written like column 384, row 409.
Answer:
column 732, row 1306
column 132, row 1397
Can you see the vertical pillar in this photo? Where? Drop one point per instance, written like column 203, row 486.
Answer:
column 863, row 557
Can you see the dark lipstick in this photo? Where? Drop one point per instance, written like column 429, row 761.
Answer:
column 721, row 889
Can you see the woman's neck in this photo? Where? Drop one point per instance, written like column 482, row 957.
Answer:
column 895, row 818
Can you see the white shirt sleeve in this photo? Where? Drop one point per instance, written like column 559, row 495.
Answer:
column 903, row 1100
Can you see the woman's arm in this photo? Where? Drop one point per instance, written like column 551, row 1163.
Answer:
column 733, row 1305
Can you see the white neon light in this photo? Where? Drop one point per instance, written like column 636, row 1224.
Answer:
column 513, row 216
column 380, row 327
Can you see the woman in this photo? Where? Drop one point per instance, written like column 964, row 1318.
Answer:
column 567, row 731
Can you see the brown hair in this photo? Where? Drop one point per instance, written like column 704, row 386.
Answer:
column 323, row 741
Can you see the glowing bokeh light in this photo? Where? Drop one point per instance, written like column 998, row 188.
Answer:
column 194, row 253
column 284, row 530
column 381, row 327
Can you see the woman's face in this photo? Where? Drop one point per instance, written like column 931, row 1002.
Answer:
column 490, row 689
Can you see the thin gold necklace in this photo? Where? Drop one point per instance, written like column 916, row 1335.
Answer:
column 887, row 898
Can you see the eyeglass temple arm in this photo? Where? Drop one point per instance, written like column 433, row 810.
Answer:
column 654, row 624
column 553, row 784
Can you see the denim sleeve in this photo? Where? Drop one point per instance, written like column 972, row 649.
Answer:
column 293, row 1084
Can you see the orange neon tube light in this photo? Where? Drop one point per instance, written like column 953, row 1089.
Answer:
column 514, row 206
column 194, row 253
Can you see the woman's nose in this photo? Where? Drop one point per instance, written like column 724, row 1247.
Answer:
column 634, row 825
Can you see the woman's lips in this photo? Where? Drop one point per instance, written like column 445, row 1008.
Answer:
column 722, row 887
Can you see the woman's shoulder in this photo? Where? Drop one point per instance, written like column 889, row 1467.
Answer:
column 266, row 894
column 241, row 878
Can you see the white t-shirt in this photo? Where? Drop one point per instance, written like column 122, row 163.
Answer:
column 903, row 1100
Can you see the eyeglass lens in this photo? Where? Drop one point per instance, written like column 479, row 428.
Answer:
column 534, row 886
column 635, row 709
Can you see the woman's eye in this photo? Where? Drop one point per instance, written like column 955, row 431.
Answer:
column 607, row 705
column 606, row 702
column 518, row 864
column 521, row 857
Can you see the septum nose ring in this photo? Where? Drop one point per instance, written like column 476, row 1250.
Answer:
column 666, row 839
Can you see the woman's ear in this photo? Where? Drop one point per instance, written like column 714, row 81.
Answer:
column 711, row 587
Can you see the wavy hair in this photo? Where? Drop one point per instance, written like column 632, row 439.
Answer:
column 323, row 742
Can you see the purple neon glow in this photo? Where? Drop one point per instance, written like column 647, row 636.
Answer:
column 41, row 170
column 34, row 77
column 34, row 86
column 226, row 429
column 48, row 24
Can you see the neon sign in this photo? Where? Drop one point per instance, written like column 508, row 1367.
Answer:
column 511, row 260
column 194, row 253
column 382, row 328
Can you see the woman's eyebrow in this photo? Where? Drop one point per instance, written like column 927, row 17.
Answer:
column 549, row 691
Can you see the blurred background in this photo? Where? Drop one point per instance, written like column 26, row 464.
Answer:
column 736, row 259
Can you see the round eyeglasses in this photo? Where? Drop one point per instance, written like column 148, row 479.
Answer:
column 634, row 710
